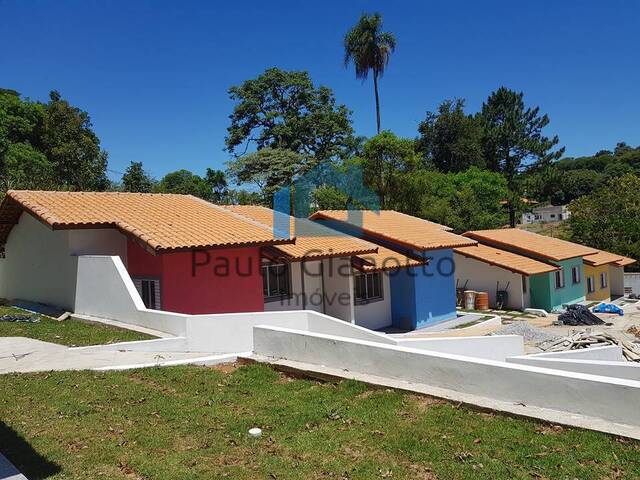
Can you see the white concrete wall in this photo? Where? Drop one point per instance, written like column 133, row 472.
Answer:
column 41, row 264
column 99, row 241
column 632, row 280
column 628, row 370
column 377, row 314
column 484, row 277
column 607, row 398
column 616, row 280
column 105, row 290
column 38, row 266
column 612, row 353
column 497, row 347
column 338, row 288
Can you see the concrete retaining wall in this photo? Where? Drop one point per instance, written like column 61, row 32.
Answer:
column 611, row 399
column 105, row 290
column 612, row 353
column 497, row 347
column 628, row 370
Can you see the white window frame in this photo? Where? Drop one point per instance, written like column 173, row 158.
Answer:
column 559, row 275
column 285, row 282
column 152, row 299
column 369, row 296
column 591, row 284
column 604, row 281
column 576, row 277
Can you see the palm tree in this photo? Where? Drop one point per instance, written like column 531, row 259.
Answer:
column 369, row 48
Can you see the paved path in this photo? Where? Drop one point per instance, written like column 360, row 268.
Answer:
column 19, row 354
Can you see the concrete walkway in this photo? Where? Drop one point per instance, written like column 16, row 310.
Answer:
column 19, row 354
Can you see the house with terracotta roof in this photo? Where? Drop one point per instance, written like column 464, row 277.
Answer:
column 487, row 269
column 327, row 270
column 604, row 272
column 183, row 254
column 564, row 284
column 422, row 293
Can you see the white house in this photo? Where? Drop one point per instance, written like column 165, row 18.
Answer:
column 549, row 213
column 488, row 269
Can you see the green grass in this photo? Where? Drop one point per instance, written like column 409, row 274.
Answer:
column 67, row 332
column 192, row 422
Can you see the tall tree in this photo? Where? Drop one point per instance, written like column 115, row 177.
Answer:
column 369, row 49
column 217, row 186
column 72, row 146
column 513, row 139
column 284, row 110
column 385, row 160
column 451, row 140
column 47, row 146
column 135, row 179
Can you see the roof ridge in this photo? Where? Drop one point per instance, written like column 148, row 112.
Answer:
column 239, row 216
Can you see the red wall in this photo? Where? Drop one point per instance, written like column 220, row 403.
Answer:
column 225, row 281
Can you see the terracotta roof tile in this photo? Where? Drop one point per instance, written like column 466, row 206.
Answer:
column 387, row 259
column 626, row 261
column 399, row 228
column 508, row 260
column 602, row 258
column 162, row 222
column 525, row 242
column 312, row 239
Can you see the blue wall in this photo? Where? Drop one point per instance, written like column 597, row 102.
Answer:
column 420, row 296
column 435, row 288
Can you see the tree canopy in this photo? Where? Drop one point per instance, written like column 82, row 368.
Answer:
column 450, row 140
column 609, row 218
column 283, row 110
column 135, row 179
column 513, row 139
column 48, row 145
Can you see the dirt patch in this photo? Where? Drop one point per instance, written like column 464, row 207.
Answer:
column 547, row 429
column 225, row 368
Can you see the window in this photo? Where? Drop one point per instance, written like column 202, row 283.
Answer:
column 149, row 290
column 524, row 284
column 591, row 284
column 368, row 287
column 560, row 278
column 603, row 280
column 276, row 280
column 575, row 275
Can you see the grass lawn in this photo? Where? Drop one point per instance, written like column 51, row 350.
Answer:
column 192, row 422
column 67, row 332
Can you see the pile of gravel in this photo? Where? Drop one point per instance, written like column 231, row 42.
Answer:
column 530, row 333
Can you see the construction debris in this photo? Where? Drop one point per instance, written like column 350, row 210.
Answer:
column 20, row 318
column 580, row 340
column 634, row 330
column 528, row 332
column 576, row 315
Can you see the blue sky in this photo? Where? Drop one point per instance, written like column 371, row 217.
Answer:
column 154, row 75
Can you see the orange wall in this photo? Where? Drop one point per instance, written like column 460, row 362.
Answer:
column 215, row 281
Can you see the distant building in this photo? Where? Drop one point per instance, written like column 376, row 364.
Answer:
column 549, row 213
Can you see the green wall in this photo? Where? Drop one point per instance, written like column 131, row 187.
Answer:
column 544, row 293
